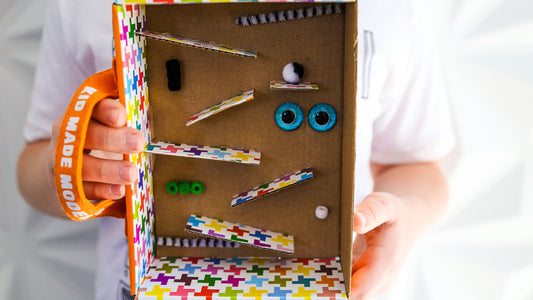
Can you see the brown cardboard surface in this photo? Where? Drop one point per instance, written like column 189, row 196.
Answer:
column 348, row 141
column 209, row 77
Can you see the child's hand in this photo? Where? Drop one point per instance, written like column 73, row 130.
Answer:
column 382, row 244
column 412, row 197
column 104, row 177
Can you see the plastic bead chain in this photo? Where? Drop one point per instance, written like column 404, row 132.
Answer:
column 196, row 243
column 287, row 15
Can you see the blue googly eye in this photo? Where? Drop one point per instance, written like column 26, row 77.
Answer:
column 289, row 116
column 322, row 117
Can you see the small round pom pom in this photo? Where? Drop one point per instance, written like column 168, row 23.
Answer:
column 293, row 72
column 321, row 212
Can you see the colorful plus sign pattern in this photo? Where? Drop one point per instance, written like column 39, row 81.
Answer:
column 239, row 233
column 206, row 152
column 204, row 1
column 267, row 189
column 167, row 37
column 244, row 278
column 215, row 109
column 130, row 57
column 282, row 85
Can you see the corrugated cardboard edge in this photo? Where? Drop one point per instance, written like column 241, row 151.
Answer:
column 348, row 141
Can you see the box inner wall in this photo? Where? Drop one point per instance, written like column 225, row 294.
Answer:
column 210, row 77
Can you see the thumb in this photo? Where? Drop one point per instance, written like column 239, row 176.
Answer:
column 376, row 209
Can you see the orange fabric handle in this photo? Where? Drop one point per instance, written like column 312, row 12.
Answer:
column 69, row 151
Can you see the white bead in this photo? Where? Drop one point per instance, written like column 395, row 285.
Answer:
column 321, row 212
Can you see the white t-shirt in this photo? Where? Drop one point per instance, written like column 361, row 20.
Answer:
column 402, row 113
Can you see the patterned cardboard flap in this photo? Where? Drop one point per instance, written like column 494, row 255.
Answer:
column 267, row 189
column 239, row 233
column 226, row 104
column 205, row 152
column 130, row 56
column 243, row 278
column 302, row 86
column 185, row 41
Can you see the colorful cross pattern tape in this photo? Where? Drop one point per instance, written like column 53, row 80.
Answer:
column 282, row 85
column 211, row 1
column 167, row 37
column 243, row 234
column 244, row 278
column 131, row 63
column 273, row 186
column 206, row 152
column 246, row 96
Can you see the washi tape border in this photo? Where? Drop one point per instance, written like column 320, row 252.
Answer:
column 239, row 233
column 276, row 185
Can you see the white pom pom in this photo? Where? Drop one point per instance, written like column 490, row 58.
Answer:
column 321, row 212
column 293, row 72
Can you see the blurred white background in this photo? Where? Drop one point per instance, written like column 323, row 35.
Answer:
column 483, row 249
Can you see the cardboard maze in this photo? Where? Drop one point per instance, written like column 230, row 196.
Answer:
column 208, row 77
column 245, row 145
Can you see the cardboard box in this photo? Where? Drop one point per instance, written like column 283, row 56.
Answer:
column 325, row 45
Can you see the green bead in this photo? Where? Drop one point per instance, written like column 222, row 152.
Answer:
column 184, row 187
column 197, row 187
column 172, row 187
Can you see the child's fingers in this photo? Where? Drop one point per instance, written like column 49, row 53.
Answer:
column 368, row 272
column 110, row 112
column 376, row 209
column 108, row 171
column 100, row 191
column 375, row 269
column 120, row 140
